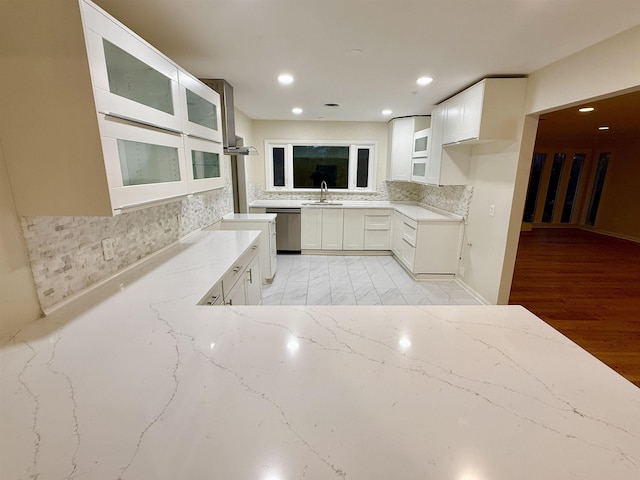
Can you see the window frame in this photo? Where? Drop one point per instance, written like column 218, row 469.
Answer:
column 354, row 146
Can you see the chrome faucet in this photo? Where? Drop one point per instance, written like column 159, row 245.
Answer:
column 324, row 190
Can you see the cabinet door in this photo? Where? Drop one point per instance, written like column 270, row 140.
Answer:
column 130, row 77
column 401, row 149
column 353, row 234
column 452, row 118
column 142, row 165
column 205, row 165
column 311, row 228
column 396, row 233
column 471, row 113
column 237, row 295
column 435, row 155
column 201, row 111
column 253, row 282
column 332, row 228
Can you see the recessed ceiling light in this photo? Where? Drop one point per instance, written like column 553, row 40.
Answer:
column 387, row 112
column 604, row 127
column 424, row 81
column 586, row 109
column 296, row 110
column 285, row 79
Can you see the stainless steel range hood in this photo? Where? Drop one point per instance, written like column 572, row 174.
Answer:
column 228, row 117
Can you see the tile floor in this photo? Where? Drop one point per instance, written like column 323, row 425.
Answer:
column 356, row 280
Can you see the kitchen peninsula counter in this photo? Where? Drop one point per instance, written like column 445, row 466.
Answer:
column 136, row 381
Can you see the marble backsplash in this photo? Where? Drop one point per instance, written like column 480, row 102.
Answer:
column 450, row 198
column 66, row 252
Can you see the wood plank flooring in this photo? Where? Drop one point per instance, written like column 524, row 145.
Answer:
column 587, row 286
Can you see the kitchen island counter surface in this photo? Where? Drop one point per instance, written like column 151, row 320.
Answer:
column 135, row 381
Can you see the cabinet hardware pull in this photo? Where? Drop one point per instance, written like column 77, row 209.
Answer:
column 237, row 268
column 410, row 226
column 191, row 135
column 141, row 122
column 250, row 273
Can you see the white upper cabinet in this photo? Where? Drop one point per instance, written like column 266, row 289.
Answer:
column 130, row 79
column 119, row 125
column 401, row 143
column 201, row 111
column 489, row 110
column 205, row 165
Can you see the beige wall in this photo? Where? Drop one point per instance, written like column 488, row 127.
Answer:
column 620, row 202
column 18, row 301
column 317, row 130
column 599, row 71
column 602, row 70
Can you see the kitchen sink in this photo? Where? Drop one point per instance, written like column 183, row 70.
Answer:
column 318, row 203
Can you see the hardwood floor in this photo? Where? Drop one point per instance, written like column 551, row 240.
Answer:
column 587, row 286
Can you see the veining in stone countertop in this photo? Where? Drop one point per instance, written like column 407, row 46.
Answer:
column 413, row 210
column 135, row 381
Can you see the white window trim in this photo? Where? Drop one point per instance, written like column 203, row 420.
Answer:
column 354, row 146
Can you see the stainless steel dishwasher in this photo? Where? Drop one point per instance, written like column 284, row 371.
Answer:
column 287, row 229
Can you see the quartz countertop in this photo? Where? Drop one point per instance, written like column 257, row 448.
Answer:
column 413, row 210
column 244, row 217
column 136, row 381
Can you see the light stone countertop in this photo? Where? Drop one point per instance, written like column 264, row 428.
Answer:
column 135, row 381
column 243, row 217
column 413, row 210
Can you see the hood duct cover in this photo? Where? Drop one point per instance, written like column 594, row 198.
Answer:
column 228, row 117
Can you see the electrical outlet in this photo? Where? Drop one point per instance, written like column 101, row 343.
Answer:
column 107, row 249
column 492, row 210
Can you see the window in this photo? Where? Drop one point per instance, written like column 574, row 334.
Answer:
column 534, row 186
column 552, row 190
column 347, row 166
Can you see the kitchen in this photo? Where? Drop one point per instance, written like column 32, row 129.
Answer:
column 550, row 87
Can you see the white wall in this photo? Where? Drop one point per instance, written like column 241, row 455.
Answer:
column 18, row 301
column 317, row 130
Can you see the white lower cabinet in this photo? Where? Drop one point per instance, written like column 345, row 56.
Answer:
column 266, row 224
column 353, row 230
column 426, row 247
column 253, row 282
column 311, row 228
column 242, row 284
column 377, row 229
column 332, row 228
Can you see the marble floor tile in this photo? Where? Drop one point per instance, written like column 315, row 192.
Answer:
column 356, row 280
column 416, row 299
column 343, row 299
column 391, row 296
column 382, row 281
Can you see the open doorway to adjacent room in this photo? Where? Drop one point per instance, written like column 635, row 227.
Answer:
column 578, row 261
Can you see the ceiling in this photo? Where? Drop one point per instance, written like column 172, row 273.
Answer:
column 621, row 114
column 365, row 54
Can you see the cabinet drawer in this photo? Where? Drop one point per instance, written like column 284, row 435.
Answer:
column 376, row 240
column 377, row 221
column 409, row 231
column 213, row 296
column 237, row 271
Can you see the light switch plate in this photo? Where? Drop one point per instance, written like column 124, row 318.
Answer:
column 492, row 210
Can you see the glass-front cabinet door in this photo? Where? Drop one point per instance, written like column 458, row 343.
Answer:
column 130, row 78
column 205, row 165
column 201, row 110
column 147, row 165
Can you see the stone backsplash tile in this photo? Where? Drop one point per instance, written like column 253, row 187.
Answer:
column 66, row 252
column 451, row 198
